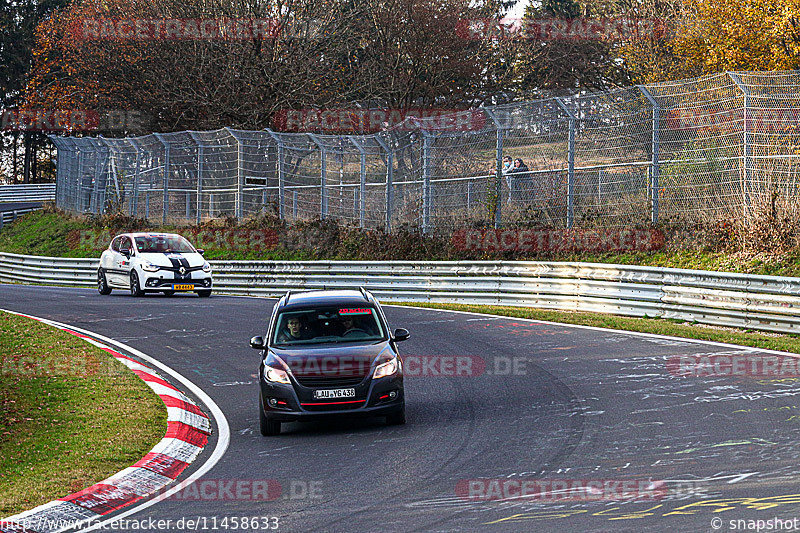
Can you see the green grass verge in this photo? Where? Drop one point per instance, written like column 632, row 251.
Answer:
column 659, row 326
column 70, row 414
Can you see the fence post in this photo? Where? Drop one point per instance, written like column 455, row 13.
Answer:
column 323, row 187
column 199, row 185
column 654, row 165
column 389, row 178
column 281, row 177
column 426, row 181
column 362, row 187
column 497, row 203
column 239, row 200
column 570, row 163
column 165, row 206
column 111, row 160
column 746, row 140
column 135, row 191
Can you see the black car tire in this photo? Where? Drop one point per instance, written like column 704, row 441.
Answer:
column 269, row 428
column 398, row 418
column 102, row 284
column 136, row 289
column 204, row 294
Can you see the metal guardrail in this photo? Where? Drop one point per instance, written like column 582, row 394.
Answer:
column 45, row 192
column 7, row 217
column 766, row 303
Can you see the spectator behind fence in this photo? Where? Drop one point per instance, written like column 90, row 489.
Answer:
column 519, row 180
column 507, row 165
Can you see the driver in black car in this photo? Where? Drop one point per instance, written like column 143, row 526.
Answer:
column 294, row 331
column 353, row 324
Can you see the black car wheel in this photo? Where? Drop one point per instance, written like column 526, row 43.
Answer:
column 136, row 290
column 102, row 284
column 269, row 428
column 398, row 418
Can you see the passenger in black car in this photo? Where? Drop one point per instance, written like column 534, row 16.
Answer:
column 294, row 331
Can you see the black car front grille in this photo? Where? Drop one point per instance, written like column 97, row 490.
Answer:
column 334, row 405
column 329, row 382
column 177, row 269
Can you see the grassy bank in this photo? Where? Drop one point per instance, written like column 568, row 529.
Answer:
column 54, row 440
column 669, row 327
column 53, row 233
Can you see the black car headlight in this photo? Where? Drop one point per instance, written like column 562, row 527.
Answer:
column 389, row 368
column 276, row 375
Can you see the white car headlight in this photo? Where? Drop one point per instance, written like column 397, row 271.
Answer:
column 147, row 266
column 388, row 368
column 276, row 375
column 206, row 267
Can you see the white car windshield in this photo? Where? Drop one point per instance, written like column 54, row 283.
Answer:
column 163, row 244
column 327, row 324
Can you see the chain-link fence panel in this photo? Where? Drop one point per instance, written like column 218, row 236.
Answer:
column 700, row 132
column 698, row 149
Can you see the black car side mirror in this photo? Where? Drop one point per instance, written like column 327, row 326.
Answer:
column 201, row 251
column 401, row 334
column 257, row 343
column 126, row 253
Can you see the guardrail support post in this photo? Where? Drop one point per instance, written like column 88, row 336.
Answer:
column 570, row 163
column 165, row 207
column 654, row 166
column 281, row 177
column 746, row 140
column 323, row 186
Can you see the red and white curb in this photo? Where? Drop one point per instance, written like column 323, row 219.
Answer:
column 188, row 431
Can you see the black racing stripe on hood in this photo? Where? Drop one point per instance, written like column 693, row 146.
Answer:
column 177, row 262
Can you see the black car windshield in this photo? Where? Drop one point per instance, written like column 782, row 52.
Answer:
column 330, row 324
column 163, row 243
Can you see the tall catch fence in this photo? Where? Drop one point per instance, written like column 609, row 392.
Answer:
column 688, row 150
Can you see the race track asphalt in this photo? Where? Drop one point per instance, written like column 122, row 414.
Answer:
column 555, row 402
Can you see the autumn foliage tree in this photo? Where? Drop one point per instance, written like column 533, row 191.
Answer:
column 382, row 52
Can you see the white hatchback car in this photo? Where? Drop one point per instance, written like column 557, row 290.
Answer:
column 153, row 262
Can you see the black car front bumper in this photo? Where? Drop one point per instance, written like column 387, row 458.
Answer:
column 295, row 403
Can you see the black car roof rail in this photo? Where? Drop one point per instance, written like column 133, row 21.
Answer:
column 364, row 293
column 288, row 294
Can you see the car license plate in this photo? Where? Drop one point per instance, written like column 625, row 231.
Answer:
column 183, row 287
column 334, row 393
